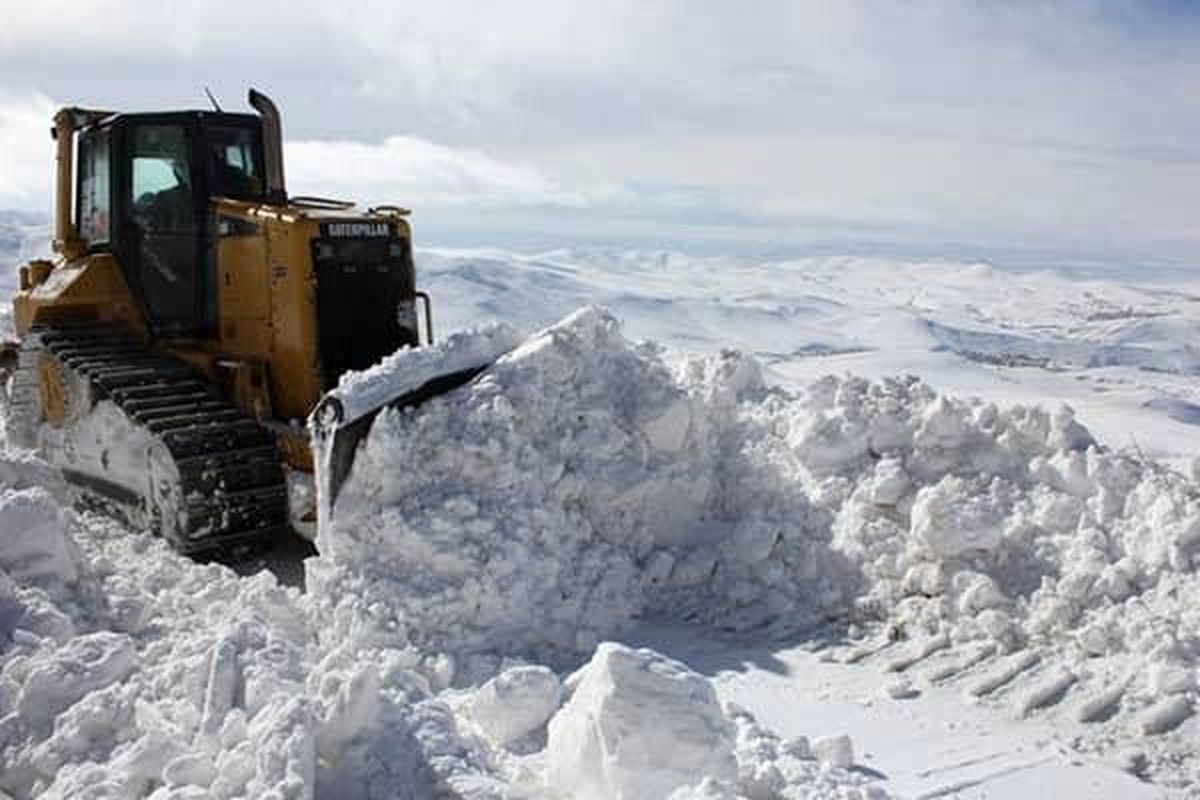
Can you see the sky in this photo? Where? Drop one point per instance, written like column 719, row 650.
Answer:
column 1018, row 130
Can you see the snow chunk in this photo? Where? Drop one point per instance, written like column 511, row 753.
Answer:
column 1167, row 679
column 952, row 517
column 515, row 703
column 900, row 688
column 889, row 483
column 638, row 725
column 36, row 546
column 82, row 665
column 1165, row 715
column 834, row 751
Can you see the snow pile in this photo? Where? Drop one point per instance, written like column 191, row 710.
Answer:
column 769, row 767
column 39, row 562
column 576, row 485
column 36, row 546
column 157, row 675
column 130, row 672
column 582, row 483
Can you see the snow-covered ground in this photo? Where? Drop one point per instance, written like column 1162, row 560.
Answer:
column 848, row 582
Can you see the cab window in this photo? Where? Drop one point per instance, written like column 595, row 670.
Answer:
column 94, row 200
column 161, row 183
column 233, row 161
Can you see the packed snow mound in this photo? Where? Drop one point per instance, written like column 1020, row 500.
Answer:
column 576, row 485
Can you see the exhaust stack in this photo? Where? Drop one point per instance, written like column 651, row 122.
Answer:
column 272, row 145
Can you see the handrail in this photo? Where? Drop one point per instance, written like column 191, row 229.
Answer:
column 424, row 298
column 308, row 201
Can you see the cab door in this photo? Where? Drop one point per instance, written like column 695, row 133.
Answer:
column 163, row 231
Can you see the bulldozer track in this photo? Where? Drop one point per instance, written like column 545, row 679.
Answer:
column 231, row 492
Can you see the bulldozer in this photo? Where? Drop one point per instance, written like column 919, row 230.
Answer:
column 195, row 319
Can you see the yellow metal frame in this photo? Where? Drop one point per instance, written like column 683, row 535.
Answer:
column 88, row 289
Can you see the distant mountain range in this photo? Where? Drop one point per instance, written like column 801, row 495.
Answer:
column 23, row 235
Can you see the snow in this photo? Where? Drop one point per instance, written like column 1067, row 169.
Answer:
column 72, row 671
column 515, row 703
column 565, row 515
column 932, row 745
column 847, row 585
column 560, row 518
column 834, row 751
column 637, row 725
column 36, row 545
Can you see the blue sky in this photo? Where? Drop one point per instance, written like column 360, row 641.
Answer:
column 1023, row 130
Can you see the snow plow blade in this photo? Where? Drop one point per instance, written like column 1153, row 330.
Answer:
column 338, row 438
column 408, row 378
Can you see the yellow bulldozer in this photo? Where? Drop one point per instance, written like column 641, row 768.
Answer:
column 194, row 317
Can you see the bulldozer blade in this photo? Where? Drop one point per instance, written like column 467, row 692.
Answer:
column 338, row 440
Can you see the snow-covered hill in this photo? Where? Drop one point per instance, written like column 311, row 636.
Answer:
column 1122, row 349
column 991, row 596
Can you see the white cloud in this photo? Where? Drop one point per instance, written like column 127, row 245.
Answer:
column 407, row 170
column 26, row 151
column 1048, row 123
column 401, row 169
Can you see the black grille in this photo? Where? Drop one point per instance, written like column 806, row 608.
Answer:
column 360, row 285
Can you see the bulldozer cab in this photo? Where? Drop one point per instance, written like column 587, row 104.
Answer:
column 143, row 189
